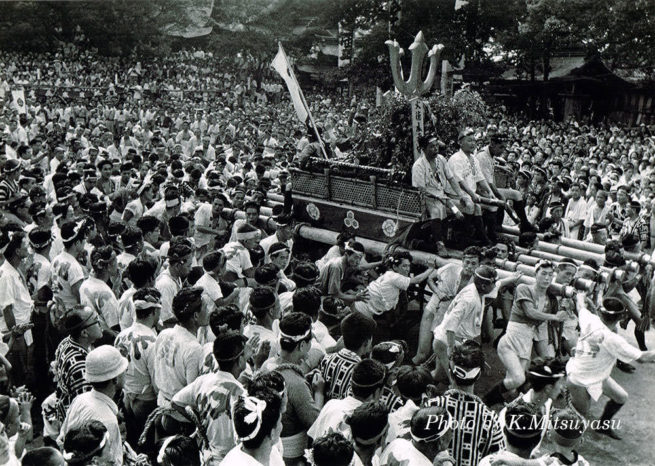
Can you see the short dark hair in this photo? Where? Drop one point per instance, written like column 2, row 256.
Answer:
column 522, row 424
column 141, row 270
column 368, row 420
column 368, row 376
column 308, row 301
column 266, row 274
column 412, row 382
column 332, row 449
column 43, row 456
column 356, row 328
column 181, row 450
column 187, row 302
column 228, row 315
column 212, row 260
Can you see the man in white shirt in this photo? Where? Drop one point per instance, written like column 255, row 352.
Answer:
column 366, row 384
column 467, row 172
column 213, row 395
column 283, row 234
column 105, row 369
column 136, row 343
column 576, row 212
column 597, row 351
column 431, row 431
column 169, row 281
column 94, row 291
column 178, row 353
column 16, row 305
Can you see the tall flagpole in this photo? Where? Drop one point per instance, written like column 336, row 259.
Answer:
column 304, row 102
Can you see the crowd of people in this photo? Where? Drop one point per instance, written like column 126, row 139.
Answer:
column 152, row 316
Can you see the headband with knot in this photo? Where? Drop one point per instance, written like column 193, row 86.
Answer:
column 464, row 373
column 256, row 408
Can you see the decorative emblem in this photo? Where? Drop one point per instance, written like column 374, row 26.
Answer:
column 389, row 228
column 313, row 211
column 350, row 221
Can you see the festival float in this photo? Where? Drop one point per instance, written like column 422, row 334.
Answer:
column 371, row 194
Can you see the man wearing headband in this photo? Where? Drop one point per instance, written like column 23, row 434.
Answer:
column 337, row 368
column 135, row 209
column 467, row 410
column 251, row 210
column 265, row 308
column 83, row 330
column 566, row 434
column 136, row 343
column 304, row 404
column 9, row 184
column 431, row 430
column 597, row 351
column 214, row 267
column 366, row 384
column 547, row 379
column 169, row 282
column 304, row 275
column 463, row 319
column 333, row 274
column 523, row 431
column 212, row 395
column 178, row 353
column 94, row 291
column 445, row 283
column 283, row 234
column 165, row 209
column 257, row 426
column 67, row 273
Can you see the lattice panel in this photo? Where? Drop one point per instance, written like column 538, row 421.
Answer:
column 404, row 201
column 311, row 184
column 351, row 191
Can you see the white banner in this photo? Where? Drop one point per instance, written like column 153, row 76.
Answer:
column 18, row 97
column 282, row 66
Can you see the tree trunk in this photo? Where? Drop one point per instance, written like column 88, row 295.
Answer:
column 546, row 63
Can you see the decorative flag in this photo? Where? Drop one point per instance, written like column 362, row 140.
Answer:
column 18, row 97
column 460, row 3
column 282, row 66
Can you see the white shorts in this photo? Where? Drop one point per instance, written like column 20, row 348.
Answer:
column 518, row 339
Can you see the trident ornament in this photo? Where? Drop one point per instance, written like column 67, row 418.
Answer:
column 414, row 86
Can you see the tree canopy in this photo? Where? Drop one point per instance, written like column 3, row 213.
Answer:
column 523, row 33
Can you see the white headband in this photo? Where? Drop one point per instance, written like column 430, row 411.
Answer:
column 436, row 435
column 172, row 203
column 256, row 408
column 465, row 374
column 247, row 235
column 68, row 456
column 162, row 450
column 295, row 338
column 143, row 304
